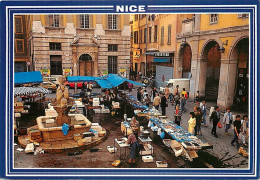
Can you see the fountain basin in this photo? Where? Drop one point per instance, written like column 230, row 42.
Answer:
column 52, row 132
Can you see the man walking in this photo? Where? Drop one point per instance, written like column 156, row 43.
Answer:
column 237, row 128
column 139, row 95
column 163, row 104
column 215, row 117
column 203, row 110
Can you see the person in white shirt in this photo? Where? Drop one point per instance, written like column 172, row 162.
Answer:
column 227, row 120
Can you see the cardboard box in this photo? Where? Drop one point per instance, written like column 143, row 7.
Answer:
column 148, row 150
column 147, row 158
column 29, row 148
column 161, row 164
column 111, row 149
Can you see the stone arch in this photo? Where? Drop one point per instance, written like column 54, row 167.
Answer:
column 185, row 56
column 210, row 70
column 239, row 54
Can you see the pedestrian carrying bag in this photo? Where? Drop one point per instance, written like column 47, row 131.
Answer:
column 219, row 125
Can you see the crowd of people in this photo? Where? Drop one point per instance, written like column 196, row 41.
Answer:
column 198, row 117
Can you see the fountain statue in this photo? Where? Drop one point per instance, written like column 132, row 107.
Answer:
column 62, row 103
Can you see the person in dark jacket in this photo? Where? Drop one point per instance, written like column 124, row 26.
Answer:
column 139, row 95
column 163, row 104
column 198, row 116
column 215, row 117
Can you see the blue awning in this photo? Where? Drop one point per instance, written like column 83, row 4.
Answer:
column 161, row 59
column 113, row 80
column 28, row 77
column 81, row 78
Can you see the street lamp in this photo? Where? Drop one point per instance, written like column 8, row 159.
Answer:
column 222, row 49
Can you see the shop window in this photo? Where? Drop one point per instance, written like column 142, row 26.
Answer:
column 56, row 65
column 55, row 46
column 136, row 17
column 19, row 45
column 112, row 47
column 162, row 35
column 84, row 21
column 112, row 21
column 169, row 34
column 155, row 33
column 141, row 36
column 54, row 20
column 136, row 37
column 213, row 18
column 112, row 64
column 150, row 34
column 18, row 25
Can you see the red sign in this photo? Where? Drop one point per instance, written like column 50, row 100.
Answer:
column 28, row 63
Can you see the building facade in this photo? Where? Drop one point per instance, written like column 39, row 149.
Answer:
column 21, row 56
column 80, row 45
column 154, row 45
column 214, row 49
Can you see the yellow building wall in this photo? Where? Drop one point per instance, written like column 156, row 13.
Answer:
column 224, row 21
column 165, row 20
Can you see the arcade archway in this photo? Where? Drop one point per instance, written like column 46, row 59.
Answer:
column 186, row 55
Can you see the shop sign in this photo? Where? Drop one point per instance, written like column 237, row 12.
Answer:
column 122, row 72
column 160, row 54
column 105, row 73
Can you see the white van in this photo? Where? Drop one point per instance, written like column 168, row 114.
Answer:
column 53, row 79
column 172, row 83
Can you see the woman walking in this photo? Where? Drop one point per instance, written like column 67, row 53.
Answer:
column 192, row 123
column 227, row 120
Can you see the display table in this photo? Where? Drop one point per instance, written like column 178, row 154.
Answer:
column 145, row 142
column 121, row 143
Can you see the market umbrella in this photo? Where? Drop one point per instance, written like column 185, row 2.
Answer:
column 113, row 80
column 81, row 78
column 18, row 91
column 28, row 77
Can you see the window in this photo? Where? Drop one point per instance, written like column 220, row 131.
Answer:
column 54, row 20
column 213, row 18
column 136, row 37
column 55, row 46
column 141, row 36
column 112, row 64
column 56, row 65
column 84, row 21
column 162, row 35
column 18, row 24
column 169, row 34
column 150, row 34
column 155, row 33
column 112, row 21
column 242, row 15
column 145, row 33
column 19, row 45
column 136, row 17
column 112, row 47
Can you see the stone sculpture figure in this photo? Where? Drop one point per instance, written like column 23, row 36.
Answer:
column 62, row 103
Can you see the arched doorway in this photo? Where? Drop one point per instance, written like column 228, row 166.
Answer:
column 85, row 65
column 186, row 57
column 240, row 53
column 212, row 56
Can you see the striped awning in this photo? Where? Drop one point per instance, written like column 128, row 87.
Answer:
column 18, row 91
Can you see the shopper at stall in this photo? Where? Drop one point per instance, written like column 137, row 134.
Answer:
column 215, row 117
column 139, row 95
column 130, row 87
column 244, row 129
column 133, row 147
column 227, row 120
column 153, row 93
column 135, row 126
column 163, row 104
column 82, row 93
column 177, row 115
column 198, row 116
column 85, row 100
column 177, row 95
column 157, row 101
column 184, row 93
column 192, row 123
column 237, row 130
column 203, row 108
